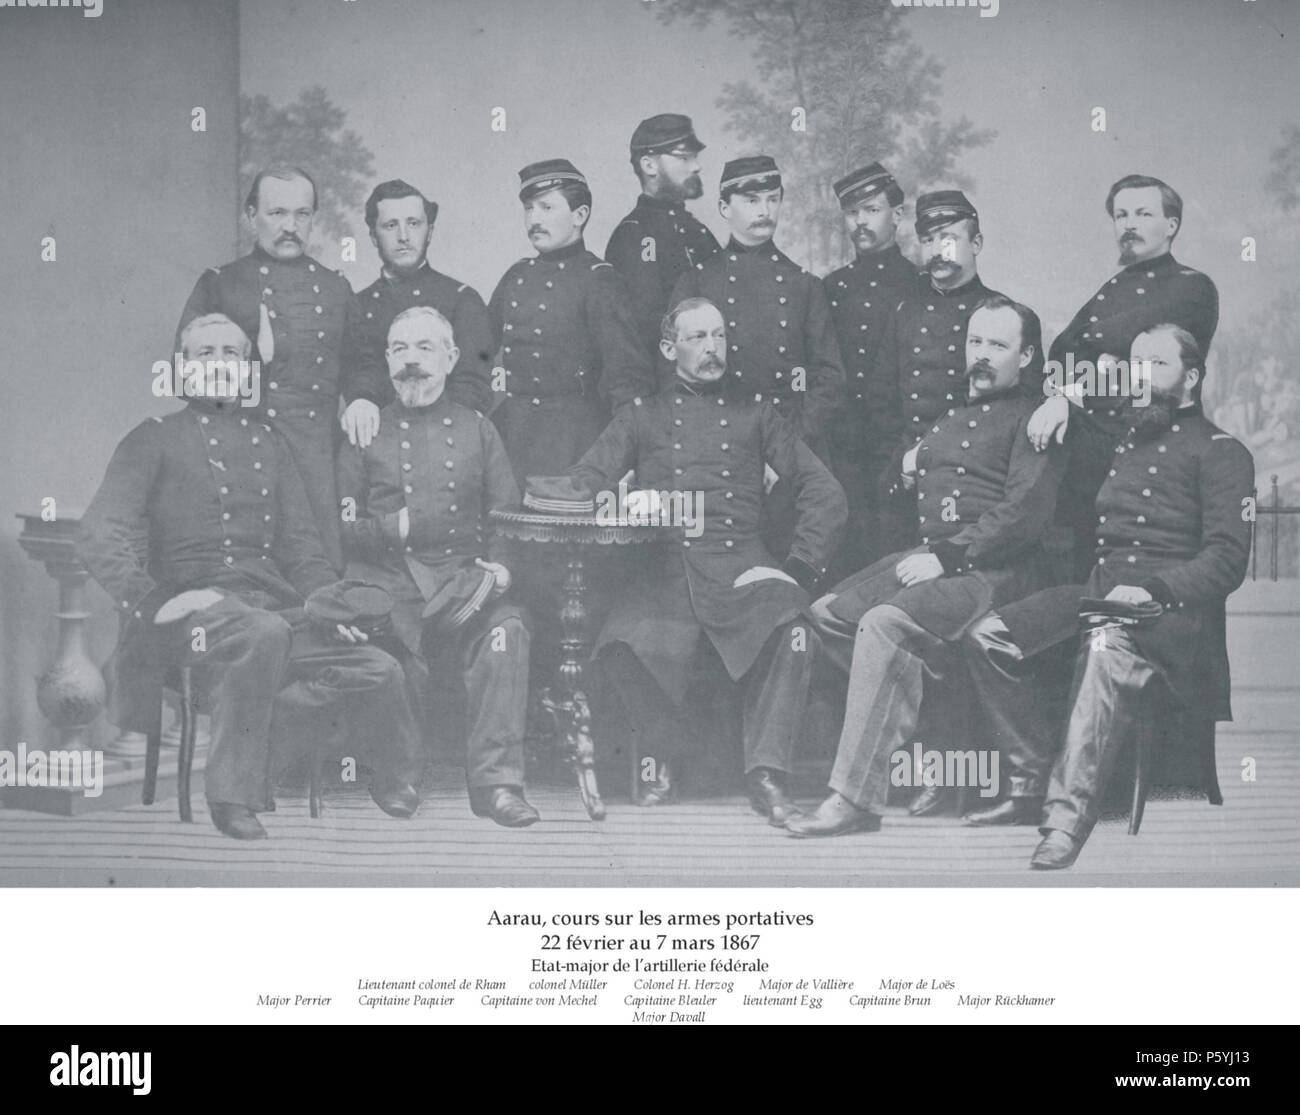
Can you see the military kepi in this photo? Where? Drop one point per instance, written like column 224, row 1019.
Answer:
column 856, row 186
column 942, row 208
column 549, row 174
column 753, row 172
column 665, row 132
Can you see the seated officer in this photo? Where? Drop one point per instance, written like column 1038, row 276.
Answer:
column 1170, row 528
column 415, row 521
column 202, row 518
column 986, row 498
column 715, row 589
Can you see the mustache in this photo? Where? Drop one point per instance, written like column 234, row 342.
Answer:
column 765, row 222
column 535, row 229
column 935, row 262
column 1129, row 236
column 288, row 238
column 410, row 372
column 980, row 366
column 712, row 362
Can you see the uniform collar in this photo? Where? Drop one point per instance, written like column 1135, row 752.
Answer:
column 971, row 286
column 703, row 390
column 734, row 245
column 560, row 255
column 889, row 255
column 668, row 205
column 1160, row 263
column 993, row 396
column 419, row 273
column 263, row 256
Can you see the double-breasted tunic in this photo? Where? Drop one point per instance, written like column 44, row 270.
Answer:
column 652, row 247
column 571, row 354
column 704, row 443
column 469, row 383
column 1171, row 517
column 985, row 500
column 310, row 313
column 781, row 343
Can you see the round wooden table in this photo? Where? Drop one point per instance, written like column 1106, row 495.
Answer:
column 566, row 700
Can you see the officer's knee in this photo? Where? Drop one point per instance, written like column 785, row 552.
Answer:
column 883, row 622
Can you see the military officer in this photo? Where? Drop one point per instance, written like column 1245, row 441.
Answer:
column 569, row 347
column 298, row 312
column 862, row 295
column 422, row 490
column 1170, row 527
column 717, row 589
column 660, row 240
column 781, row 343
column 986, row 499
column 202, row 518
column 1151, row 287
column 401, row 220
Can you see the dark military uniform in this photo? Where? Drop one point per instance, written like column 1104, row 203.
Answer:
column 986, row 500
column 921, row 369
column 470, row 381
column 1169, row 518
column 446, row 465
column 698, row 440
column 571, row 353
column 862, row 297
column 210, row 498
column 1138, row 297
column 778, row 320
column 310, row 313
column 652, row 247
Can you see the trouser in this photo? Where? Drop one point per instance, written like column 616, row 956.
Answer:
column 892, row 657
column 1108, row 699
column 1016, row 700
column 271, row 689
column 491, row 655
column 862, row 545
column 775, row 694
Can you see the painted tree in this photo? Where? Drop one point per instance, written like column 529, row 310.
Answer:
column 840, row 83
column 309, row 133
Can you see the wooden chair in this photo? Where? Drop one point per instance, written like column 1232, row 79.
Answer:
column 180, row 680
column 1159, row 723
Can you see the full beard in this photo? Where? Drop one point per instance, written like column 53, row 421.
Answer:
column 1156, row 417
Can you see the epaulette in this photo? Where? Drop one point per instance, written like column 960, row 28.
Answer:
column 462, row 288
column 154, row 418
column 600, row 263
column 1220, row 437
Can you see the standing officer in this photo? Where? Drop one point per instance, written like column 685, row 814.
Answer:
column 721, row 592
column 401, row 219
column 1170, row 528
column 569, row 347
column 986, row 499
column 862, row 295
column 781, row 343
column 655, row 244
column 919, row 367
column 299, row 312
column 421, row 491
column 202, row 518
column 1152, row 287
